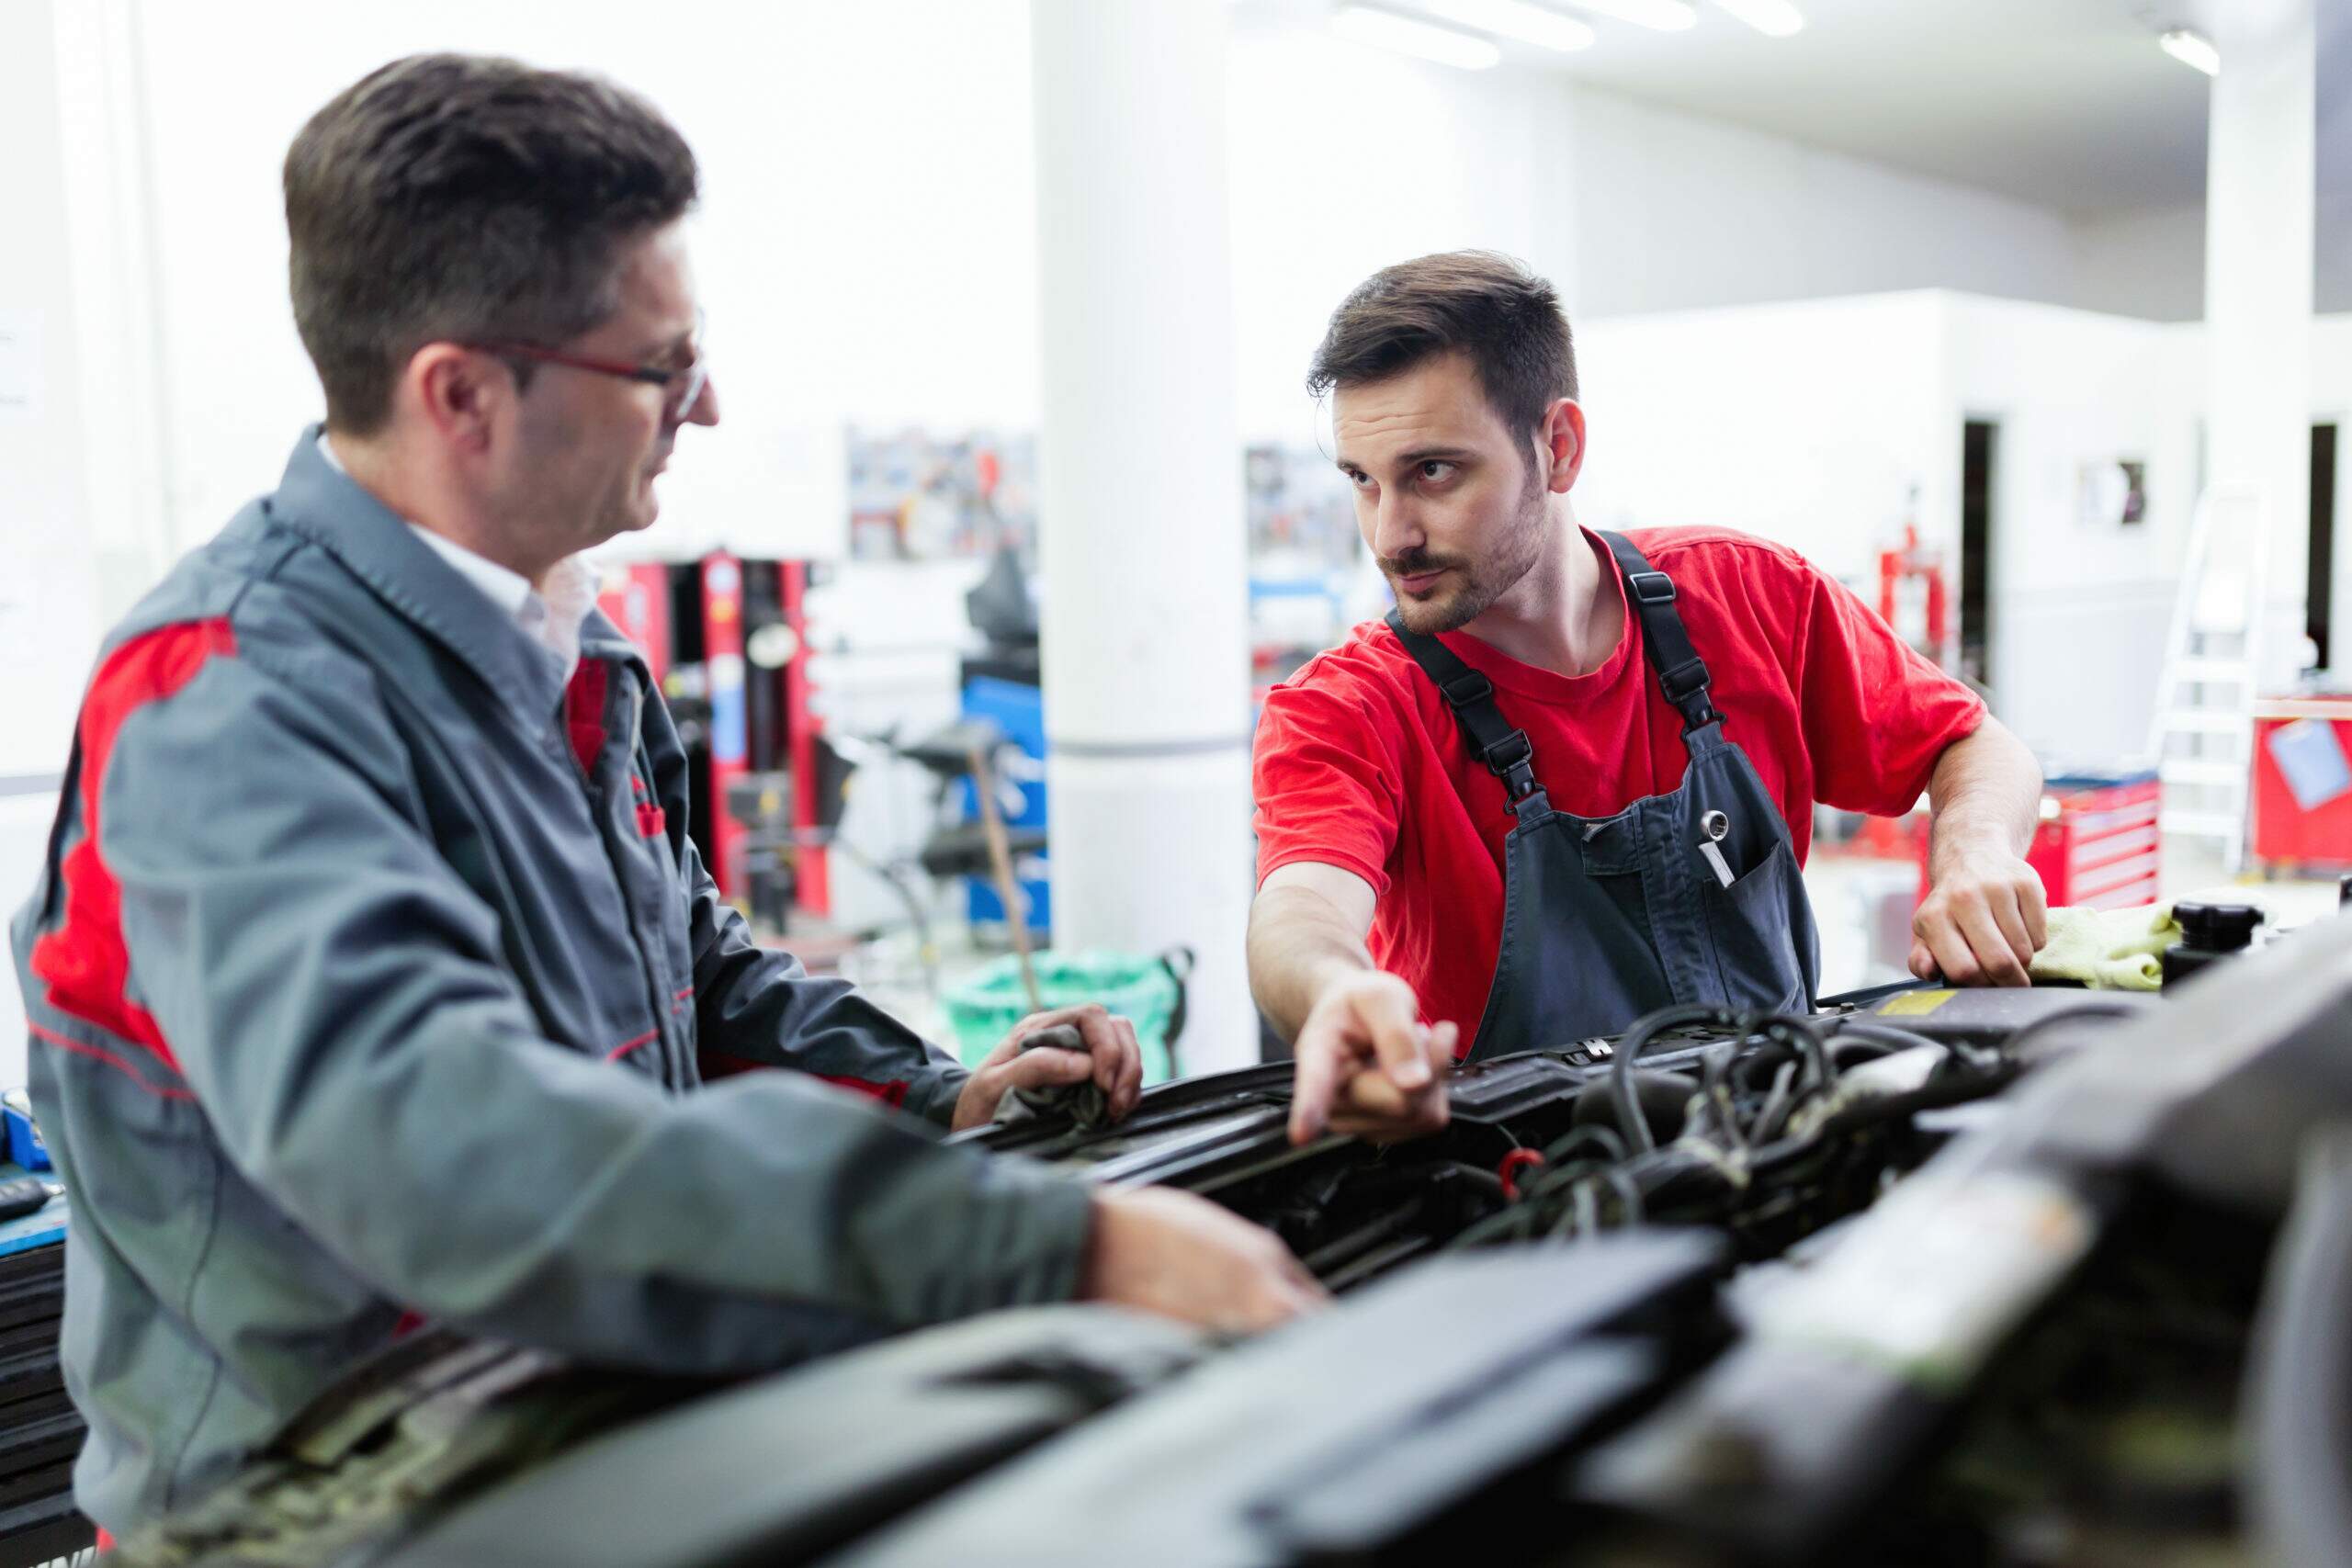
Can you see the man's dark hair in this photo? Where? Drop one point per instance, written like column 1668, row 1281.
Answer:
column 459, row 198
column 1482, row 305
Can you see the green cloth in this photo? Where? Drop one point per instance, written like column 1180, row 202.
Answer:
column 2108, row 950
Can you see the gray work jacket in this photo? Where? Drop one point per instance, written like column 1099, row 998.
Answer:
column 372, row 977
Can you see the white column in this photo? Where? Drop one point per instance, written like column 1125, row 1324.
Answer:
column 1145, row 611
column 2258, row 198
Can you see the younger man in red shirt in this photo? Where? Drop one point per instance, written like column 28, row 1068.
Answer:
column 1570, row 778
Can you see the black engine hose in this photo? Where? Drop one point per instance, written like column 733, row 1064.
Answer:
column 1794, row 1031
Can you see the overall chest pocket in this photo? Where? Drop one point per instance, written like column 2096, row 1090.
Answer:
column 1762, row 927
column 1610, row 852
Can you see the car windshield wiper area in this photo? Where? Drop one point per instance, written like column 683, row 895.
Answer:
column 455, row 1451
column 1364, row 1429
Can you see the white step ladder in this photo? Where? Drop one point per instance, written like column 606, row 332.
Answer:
column 2201, row 736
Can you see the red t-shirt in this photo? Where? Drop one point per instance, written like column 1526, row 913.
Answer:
column 1360, row 765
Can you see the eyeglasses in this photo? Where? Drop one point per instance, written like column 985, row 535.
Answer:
column 682, row 385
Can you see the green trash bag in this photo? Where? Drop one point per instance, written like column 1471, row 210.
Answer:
column 1147, row 991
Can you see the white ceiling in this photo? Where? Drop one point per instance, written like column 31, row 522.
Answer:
column 2068, row 104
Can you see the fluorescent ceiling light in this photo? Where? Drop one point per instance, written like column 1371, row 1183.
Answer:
column 1386, row 29
column 1773, row 19
column 1515, row 18
column 1666, row 15
column 2192, row 49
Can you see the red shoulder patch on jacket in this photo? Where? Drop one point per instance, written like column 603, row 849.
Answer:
column 84, row 960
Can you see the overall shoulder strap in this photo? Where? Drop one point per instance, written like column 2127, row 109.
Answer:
column 1681, row 673
column 1501, row 746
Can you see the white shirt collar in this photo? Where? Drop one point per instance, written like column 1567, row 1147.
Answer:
column 510, row 590
column 553, row 620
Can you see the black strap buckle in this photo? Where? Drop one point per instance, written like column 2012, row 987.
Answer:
column 1467, row 689
column 1512, row 759
column 1684, row 681
column 1651, row 587
column 1686, row 687
column 1510, row 754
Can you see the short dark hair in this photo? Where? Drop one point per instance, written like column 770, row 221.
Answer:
column 462, row 197
column 1484, row 305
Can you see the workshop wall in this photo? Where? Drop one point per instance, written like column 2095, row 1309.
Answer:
column 1829, row 425
column 2071, row 388
column 1344, row 159
column 865, row 245
column 1627, row 209
column 49, row 564
column 1675, row 212
column 2088, row 595
column 2144, row 262
column 49, row 588
column 1812, row 423
column 906, row 127
column 2151, row 261
column 1630, row 209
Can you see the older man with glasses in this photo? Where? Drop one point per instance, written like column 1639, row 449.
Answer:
column 373, row 976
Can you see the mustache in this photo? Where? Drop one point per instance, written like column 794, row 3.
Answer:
column 1417, row 563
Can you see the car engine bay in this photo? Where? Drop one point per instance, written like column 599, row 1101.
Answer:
column 1765, row 1128
column 2030, row 1277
